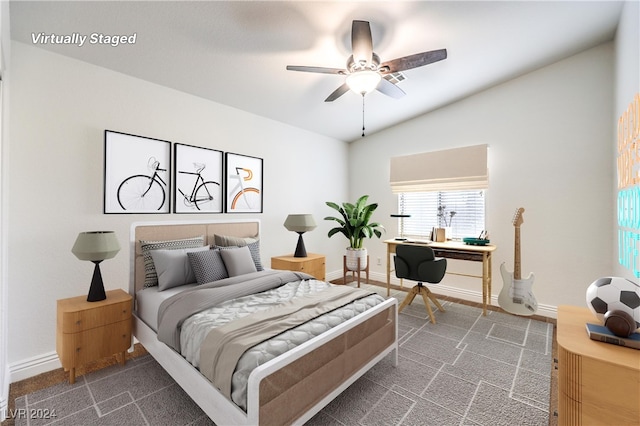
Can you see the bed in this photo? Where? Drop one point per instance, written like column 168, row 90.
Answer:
column 287, row 389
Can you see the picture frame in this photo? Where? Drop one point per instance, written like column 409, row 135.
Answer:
column 243, row 183
column 137, row 174
column 197, row 180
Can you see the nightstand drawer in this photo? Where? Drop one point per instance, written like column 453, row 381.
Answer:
column 313, row 264
column 96, row 343
column 81, row 318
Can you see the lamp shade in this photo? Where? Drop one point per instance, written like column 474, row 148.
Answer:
column 300, row 223
column 96, row 245
column 364, row 81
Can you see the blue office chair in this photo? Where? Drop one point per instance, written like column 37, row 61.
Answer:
column 418, row 263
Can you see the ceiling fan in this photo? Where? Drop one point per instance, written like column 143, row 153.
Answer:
column 365, row 72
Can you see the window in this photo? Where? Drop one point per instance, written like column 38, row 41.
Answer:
column 467, row 221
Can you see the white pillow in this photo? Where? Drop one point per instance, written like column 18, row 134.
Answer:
column 173, row 267
column 238, row 261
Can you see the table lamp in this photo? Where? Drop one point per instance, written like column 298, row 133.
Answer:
column 300, row 223
column 96, row 246
column 401, row 216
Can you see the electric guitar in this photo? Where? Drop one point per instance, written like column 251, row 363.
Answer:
column 516, row 296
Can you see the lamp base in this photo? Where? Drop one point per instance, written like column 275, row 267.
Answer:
column 300, row 250
column 96, row 291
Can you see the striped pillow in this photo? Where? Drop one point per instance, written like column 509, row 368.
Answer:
column 150, row 275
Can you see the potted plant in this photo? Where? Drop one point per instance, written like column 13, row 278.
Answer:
column 355, row 224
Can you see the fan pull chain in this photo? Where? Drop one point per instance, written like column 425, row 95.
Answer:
column 363, row 114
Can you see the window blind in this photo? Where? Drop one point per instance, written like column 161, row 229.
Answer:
column 433, row 209
column 447, row 170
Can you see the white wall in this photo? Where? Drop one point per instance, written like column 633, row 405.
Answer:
column 59, row 110
column 4, row 126
column 627, row 72
column 549, row 136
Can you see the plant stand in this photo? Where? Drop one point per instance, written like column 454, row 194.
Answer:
column 353, row 273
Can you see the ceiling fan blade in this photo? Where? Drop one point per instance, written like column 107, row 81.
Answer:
column 361, row 42
column 413, row 61
column 321, row 70
column 337, row 93
column 390, row 89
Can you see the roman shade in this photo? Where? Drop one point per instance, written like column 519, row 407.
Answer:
column 447, row 170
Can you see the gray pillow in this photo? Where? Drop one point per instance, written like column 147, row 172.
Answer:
column 238, row 261
column 225, row 241
column 173, row 267
column 207, row 266
column 150, row 275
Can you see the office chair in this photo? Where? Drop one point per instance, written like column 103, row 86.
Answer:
column 418, row 263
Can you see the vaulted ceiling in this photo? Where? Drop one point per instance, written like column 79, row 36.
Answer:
column 236, row 52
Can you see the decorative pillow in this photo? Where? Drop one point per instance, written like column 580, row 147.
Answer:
column 238, row 261
column 173, row 267
column 228, row 240
column 150, row 275
column 252, row 242
column 207, row 266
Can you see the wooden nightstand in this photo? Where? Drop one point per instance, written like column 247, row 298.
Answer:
column 598, row 383
column 313, row 264
column 88, row 331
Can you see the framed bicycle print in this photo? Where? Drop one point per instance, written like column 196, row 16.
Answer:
column 198, row 180
column 137, row 174
column 243, row 183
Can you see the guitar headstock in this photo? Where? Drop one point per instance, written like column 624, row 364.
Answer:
column 517, row 217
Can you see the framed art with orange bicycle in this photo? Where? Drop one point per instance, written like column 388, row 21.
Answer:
column 243, row 178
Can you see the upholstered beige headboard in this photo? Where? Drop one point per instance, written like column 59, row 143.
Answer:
column 161, row 231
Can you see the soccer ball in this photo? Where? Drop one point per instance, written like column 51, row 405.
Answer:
column 614, row 293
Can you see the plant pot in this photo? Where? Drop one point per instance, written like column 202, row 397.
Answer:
column 352, row 258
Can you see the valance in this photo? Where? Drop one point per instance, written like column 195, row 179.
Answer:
column 447, row 170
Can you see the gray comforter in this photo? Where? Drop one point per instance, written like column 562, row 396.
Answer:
column 175, row 310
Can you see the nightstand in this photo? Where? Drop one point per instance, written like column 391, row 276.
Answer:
column 88, row 331
column 313, row 264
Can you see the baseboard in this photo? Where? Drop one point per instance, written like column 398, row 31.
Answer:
column 4, row 394
column 33, row 366
column 548, row 311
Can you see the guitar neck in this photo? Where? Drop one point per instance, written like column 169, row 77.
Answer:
column 517, row 272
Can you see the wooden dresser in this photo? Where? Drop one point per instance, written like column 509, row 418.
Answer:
column 88, row 331
column 313, row 264
column 598, row 383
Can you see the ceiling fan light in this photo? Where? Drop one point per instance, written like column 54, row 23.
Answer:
column 363, row 82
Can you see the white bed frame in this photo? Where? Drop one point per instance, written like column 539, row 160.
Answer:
column 221, row 410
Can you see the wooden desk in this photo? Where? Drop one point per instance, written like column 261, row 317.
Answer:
column 453, row 250
column 598, row 383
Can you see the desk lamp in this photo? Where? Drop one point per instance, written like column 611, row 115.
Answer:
column 96, row 246
column 300, row 223
column 401, row 216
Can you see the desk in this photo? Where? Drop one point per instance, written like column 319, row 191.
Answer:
column 453, row 250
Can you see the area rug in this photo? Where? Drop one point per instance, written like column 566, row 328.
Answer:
column 467, row 369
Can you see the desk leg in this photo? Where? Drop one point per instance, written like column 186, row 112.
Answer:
column 388, row 270
column 485, row 283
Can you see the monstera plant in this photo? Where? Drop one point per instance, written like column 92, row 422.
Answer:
column 355, row 224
